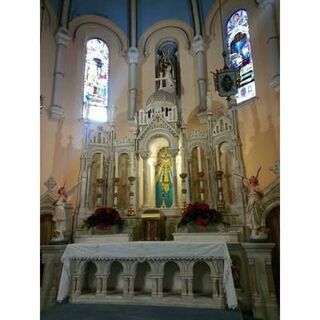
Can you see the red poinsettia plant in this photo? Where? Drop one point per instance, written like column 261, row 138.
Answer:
column 200, row 214
column 103, row 218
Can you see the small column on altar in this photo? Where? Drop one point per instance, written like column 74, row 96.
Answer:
column 100, row 181
column 116, row 181
column 160, row 286
column 190, row 286
column 88, row 182
column 221, row 203
column 200, row 174
column 131, row 211
column 174, row 153
column 145, row 157
column 201, row 178
column 183, row 177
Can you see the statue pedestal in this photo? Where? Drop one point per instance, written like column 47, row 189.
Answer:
column 103, row 238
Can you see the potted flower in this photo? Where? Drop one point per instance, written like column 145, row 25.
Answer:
column 104, row 220
column 199, row 217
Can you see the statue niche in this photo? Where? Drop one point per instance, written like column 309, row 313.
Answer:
column 164, row 179
column 167, row 68
column 123, row 188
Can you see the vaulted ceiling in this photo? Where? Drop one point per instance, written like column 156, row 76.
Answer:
column 149, row 12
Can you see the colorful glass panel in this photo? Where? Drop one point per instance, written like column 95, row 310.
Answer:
column 238, row 40
column 95, row 93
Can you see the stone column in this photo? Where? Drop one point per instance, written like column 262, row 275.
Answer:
column 201, row 178
column 99, row 285
column 214, row 287
column 263, row 296
column 183, row 177
column 116, row 181
column 133, row 56
column 145, row 157
column 125, row 286
column 62, row 39
column 174, row 153
column 189, row 180
column 131, row 209
column 196, row 17
column 184, row 286
column 190, row 287
column 268, row 15
column 154, row 285
column 104, row 284
column 160, row 286
column 220, row 202
column 198, row 46
column 89, row 165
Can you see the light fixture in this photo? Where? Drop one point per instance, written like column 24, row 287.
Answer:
column 226, row 80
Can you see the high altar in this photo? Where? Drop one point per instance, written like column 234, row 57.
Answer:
column 150, row 178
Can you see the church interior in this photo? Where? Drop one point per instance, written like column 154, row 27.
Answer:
column 162, row 119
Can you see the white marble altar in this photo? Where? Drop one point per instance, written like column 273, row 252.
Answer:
column 157, row 255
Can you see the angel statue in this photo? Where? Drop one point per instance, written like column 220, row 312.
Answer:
column 255, row 219
column 59, row 216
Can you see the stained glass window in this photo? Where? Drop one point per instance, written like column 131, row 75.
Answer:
column 96, row 81
column 238, row 40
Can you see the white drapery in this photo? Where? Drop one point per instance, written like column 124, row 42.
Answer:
column 141, row 251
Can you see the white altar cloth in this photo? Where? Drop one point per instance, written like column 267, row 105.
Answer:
column 149, row 250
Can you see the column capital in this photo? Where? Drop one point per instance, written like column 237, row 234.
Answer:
column 198, row 44
column 173, row 152
column 55, row 112
column 144, row 155
column 62, row 36
column 133, row 55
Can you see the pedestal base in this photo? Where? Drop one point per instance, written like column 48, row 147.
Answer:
column 103, row 238
column 231, row 236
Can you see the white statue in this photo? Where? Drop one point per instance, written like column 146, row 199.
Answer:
column 167, row 69
column 255, row 219
column 59, row 216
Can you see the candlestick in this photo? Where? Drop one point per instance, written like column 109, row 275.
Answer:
column 101, row 166
column 217, row 157
column 199, row 159
column 116, row 164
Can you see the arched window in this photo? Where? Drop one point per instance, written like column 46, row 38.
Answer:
column 238, row 41
column 96, row 81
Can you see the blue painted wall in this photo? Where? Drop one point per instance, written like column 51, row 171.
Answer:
column 114, row 10
column 152, row 11
column 205, row 6
column 149, row 11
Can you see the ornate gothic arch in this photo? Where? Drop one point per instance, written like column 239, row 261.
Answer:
column 157, row 133
column 166, row 29
column 99, row 27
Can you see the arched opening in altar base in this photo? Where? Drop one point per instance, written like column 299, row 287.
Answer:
column 104, row 279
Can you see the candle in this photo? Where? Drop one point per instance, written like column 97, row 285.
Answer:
column 199, row 159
